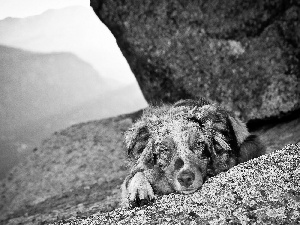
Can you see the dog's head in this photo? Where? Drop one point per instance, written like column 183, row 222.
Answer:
column 185, row 143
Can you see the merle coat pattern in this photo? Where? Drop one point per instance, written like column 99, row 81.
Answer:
column 176, row 148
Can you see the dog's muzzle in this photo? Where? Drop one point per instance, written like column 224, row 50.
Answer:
column 186, row 178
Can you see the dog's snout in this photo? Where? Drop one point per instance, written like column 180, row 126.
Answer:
column 186, row 178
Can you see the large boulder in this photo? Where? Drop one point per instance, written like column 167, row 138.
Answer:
column 243, row 54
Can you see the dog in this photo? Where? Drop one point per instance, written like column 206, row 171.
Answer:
column 175, row 148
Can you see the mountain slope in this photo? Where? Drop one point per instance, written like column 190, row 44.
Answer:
column 34, row 85
column 87, row 147
column 72, row 29
column 109, row 104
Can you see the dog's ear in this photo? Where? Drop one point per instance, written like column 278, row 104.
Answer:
column 249, row 146
column 136, row 139
column 239, row 129
column 252, row 147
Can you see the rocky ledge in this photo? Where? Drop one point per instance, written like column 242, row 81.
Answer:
column 77, row 172
column 265, row 190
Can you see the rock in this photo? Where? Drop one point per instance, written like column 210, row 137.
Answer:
column 83, row 164
column 77, row 172
column 276, row 133
column 242, row 54
column 265, row 190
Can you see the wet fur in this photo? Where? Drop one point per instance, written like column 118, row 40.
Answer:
column 176, row 148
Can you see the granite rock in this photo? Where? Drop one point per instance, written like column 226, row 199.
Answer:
column 243, row 54
column 262, row 191
column 77, row 172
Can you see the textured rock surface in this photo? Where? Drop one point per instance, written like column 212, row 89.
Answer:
column 78, row 171
column 263, row 191
column 243, row 53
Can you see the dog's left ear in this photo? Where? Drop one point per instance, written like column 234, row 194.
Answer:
column 136, row 139
column 249, row 145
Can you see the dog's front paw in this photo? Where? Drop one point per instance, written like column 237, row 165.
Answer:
column 139, row 191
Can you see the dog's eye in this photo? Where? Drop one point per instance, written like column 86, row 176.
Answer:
column 205, row 152
column 199, row 144
column 200, row 148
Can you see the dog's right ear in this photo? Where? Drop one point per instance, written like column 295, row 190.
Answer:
column 251, row 148
column 249, row 145
column 136, row 139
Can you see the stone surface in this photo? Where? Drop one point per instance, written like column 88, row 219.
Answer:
column 77, row 172
column 243, row 54
column 262, row 191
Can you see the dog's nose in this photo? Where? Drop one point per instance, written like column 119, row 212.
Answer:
column 186, row 178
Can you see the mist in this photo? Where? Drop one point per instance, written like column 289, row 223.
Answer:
column 57, row 70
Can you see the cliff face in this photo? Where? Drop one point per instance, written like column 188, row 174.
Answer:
column 242, row 54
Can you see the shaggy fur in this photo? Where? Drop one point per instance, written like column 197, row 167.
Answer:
column 176, row 148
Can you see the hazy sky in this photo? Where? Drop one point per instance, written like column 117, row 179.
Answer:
column 24, row 8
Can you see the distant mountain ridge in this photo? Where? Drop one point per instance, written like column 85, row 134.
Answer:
column 41, row 93
column 72, row 41
column 35, row 85
column 73, row 29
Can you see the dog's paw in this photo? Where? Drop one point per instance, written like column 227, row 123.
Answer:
column 139, row 191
